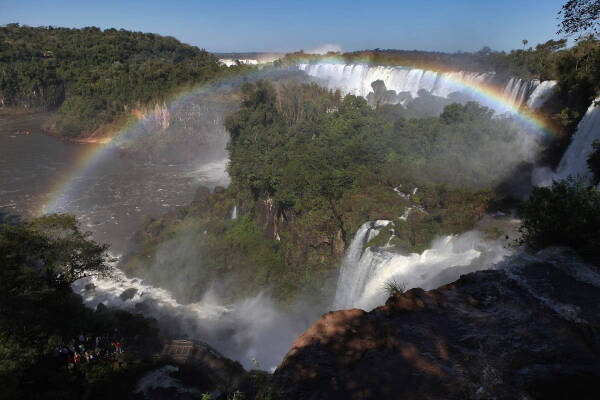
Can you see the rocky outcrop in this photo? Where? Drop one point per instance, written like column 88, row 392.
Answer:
column 529, row 330
column 203, row 362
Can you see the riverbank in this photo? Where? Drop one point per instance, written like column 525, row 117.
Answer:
column 21, row 111
column 102, row 135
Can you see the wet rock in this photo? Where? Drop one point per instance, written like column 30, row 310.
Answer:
column 202, row 362
column 202, row 195
column 128, row 294
column 529, row 330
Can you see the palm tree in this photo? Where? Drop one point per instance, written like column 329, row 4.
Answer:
column 525, row 41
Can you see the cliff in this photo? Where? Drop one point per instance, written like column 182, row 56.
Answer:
column 529, row 329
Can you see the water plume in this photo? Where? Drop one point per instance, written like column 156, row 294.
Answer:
column 364, row 274
column 253, row 328
column 325, row 48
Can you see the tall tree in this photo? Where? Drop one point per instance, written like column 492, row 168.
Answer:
column 579, row 16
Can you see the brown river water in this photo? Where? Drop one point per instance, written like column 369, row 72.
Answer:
column 110, row 196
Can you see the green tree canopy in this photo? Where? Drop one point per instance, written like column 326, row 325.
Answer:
column 579, row 16
column 565, row 214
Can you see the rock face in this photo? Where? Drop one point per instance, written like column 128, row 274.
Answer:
column 527, row 330
column 204, row 363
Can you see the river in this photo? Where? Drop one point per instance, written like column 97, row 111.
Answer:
column 110, row 199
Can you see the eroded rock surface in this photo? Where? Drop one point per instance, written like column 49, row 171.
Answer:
column 527, row 330
column 204, row 364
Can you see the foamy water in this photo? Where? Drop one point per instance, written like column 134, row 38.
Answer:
column 365, row 273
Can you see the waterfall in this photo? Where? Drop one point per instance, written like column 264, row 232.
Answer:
column 540, row 93
column 356, row 79
column 234, row 212
column 364, row 273
column 253, row 327
column 352, row 279
column 574, row 161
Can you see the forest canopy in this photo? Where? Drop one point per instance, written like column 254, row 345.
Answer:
column 94, row 76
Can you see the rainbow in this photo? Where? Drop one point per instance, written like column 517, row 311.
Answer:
column 94, row 153
column 495, row 96
column 485, row 93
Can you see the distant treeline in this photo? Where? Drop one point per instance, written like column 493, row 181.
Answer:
column 93, row 76
column 542, row 62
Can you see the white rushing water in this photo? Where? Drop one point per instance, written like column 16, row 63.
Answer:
column 364, row 274
column 351, row 281
column 251, row 328
column 160, row 378
column 356, row 79
column 540, row 94
column 574, row 161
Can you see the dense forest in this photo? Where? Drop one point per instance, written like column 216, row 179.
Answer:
column 95, row 77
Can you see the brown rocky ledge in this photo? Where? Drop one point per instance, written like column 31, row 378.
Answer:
column 528, row 330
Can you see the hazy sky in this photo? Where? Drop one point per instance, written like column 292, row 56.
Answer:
column 280, row 25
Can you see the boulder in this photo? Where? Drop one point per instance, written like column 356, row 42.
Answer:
column 528, row 330
column 128, row 294
column 202, row 195
column 203, row 362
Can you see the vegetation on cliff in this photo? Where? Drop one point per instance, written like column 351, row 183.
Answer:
column 565, row 214
column 95, row 77
column 307, row 169
column 39, row 312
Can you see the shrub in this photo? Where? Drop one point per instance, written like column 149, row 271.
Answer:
column 392, row 287
column 566, row 214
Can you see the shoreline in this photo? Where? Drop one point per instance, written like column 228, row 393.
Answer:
column 86, row 140
column 102, row 135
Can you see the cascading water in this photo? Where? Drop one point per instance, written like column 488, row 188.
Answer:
column 356, row 79
column 540, row 93
column 574, row 161
column 364, row 274
column 352, row 280
column 234, row 212
column 250, row 328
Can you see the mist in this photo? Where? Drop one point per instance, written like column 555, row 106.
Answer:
column 251, row 328
column 255, row 329
column 364, row 276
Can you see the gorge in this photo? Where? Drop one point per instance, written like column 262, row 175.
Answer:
column 376, row 224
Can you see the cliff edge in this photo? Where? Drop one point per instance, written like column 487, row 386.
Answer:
column 528, row 329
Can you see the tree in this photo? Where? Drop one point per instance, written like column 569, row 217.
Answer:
column 565, row 214
column 54, row 248
column 525, row 41
column 579, row 16
column 593, row 161
column 39, row 312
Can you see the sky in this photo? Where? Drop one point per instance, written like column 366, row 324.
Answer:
column 290, row 25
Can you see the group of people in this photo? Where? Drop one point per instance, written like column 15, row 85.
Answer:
column 89, row 348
